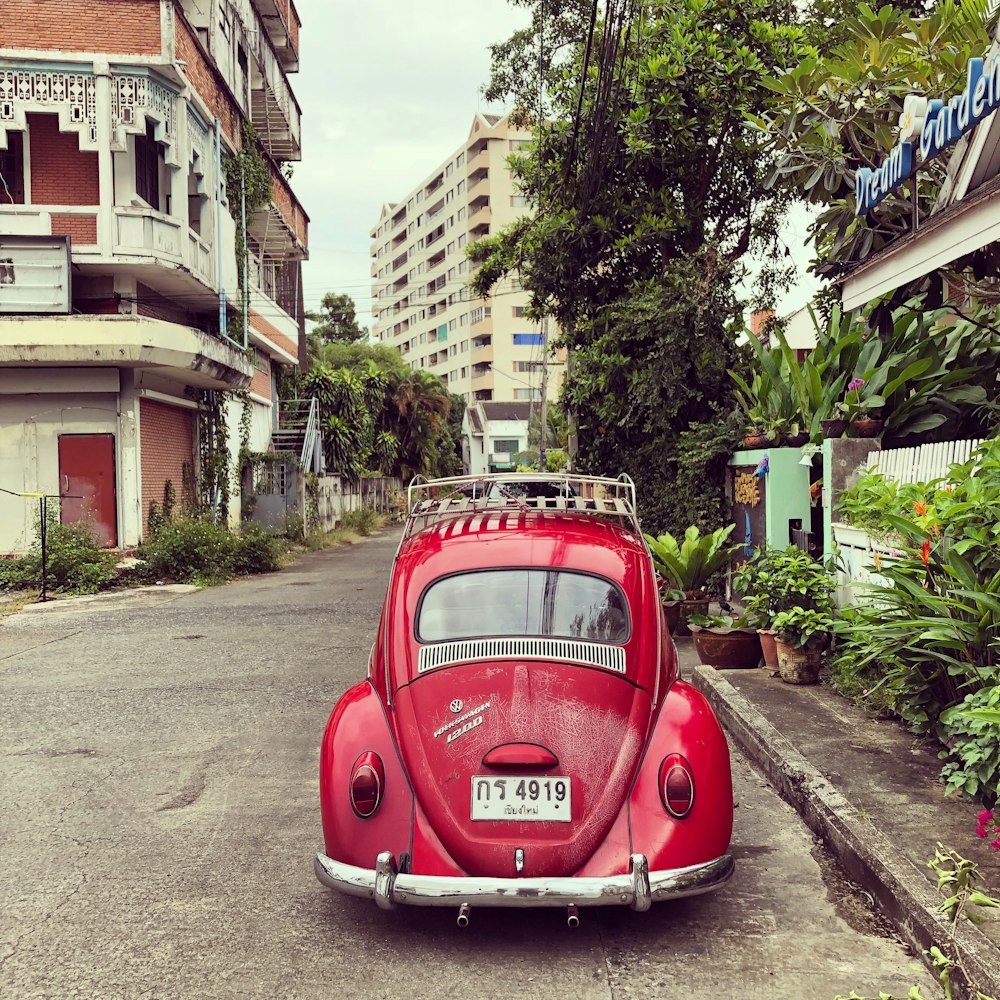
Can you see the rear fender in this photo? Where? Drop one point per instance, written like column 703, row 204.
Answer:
column 686, row 725
column 358, row 724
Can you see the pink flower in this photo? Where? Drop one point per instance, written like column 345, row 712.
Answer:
column 996, row 844
column 981, row 832
column 984, row 817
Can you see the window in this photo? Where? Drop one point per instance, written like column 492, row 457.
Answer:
column 464, row 346
column 527, row 366
column 527, row 394
column 451, row 274
column 518, row 311
column 525, row 602
column 460, row 187
column 451, row 247
column 519, row 143
column 518, row 201
column 462, row 241
column 526, row 339
column 506, row 444
column 461, row 214
column 449, row 170
column 463, row 320
column 463, row 266
column 147, row 167
column 410, row 228
column 451, row 324
column 450, row 196
column 452, row 351
column 465, row 373
column 409, row 205
column 12, row 170
column 461, row 160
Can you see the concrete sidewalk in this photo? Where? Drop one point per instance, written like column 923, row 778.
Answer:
column 870, row 790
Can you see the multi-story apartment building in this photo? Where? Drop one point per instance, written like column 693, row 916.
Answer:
column 121, row 305
column 484, row 349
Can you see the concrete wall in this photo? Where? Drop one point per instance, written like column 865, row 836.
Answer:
column 35, row 408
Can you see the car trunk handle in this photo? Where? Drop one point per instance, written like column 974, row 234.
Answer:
column 520, row 755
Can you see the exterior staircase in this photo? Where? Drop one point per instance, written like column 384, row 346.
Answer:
column 298, row 432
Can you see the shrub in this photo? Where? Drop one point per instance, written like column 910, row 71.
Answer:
column 189, row 548
column 76, row 564
column 777, row 580
column 925, row 647
column 257, row 551
column 363, row 521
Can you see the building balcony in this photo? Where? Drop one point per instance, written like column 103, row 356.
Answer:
column 480, row 214
column 482, row 381
column 273, row 109
column 179, row 353
column 162, row 239
column 482, row 355
column 477, row 160
column 281, row 22
column 477, row 177
column 434, row 185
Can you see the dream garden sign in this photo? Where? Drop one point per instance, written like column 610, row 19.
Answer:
column 937, row 125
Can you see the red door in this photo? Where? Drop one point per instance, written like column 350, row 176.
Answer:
column 87, row 471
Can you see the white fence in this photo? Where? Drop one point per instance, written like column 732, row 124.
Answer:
column 920, row 465
column 860, row 556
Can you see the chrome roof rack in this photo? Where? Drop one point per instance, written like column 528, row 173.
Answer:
column 431, row 500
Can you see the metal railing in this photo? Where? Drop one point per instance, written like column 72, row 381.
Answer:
column 433, row 500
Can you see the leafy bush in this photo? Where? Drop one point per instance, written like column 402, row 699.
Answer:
column 363, row 521
column 187, row 549
column 76, row 564
column 257, row 551
column 927, row 646
column 975, row 766
column 775, row 581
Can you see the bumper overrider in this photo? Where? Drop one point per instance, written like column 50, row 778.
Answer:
column 639, row 889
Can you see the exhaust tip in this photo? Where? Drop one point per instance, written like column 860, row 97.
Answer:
column 463, row 915
column 572, row 916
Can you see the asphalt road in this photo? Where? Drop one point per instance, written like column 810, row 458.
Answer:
column 158, row 819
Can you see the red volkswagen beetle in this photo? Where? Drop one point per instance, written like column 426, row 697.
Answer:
column 523, row 737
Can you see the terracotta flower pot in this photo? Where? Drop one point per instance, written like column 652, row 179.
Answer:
column 727, row 648
column 797, row 665
column 797, row 440
column 754, row 439
column 768, row 641
column 672, row 610
column 698, row 606
column 833, row 428
column 866, row 427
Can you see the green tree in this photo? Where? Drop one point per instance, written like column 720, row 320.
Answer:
column 649, row 200
column 336, row 320
column 837, row 110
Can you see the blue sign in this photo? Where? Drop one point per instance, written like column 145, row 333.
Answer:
column 942, row 126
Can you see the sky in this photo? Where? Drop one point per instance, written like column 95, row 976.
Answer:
column 387, row 91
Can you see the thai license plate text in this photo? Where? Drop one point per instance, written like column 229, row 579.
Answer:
column 521, row 799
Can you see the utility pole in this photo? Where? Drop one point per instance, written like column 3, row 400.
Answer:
column 545, row 385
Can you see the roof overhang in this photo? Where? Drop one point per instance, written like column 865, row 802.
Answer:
column 961, row 229
column 175, row 352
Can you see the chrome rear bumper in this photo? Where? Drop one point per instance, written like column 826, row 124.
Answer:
column 639, row 889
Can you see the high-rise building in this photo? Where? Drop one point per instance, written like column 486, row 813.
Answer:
column 484, row 349
column 135, row 282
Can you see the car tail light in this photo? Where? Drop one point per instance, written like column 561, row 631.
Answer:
column 367, row 784
column 676, row 786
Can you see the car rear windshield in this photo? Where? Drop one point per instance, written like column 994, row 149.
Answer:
column 523, row 602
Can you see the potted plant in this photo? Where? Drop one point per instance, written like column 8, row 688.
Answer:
column 672, row 601
column 776, row 580
column 687, row 566
column 795, row 435
column 859, row 402
column 837, row 423
column 726, row 642
column 803, row 635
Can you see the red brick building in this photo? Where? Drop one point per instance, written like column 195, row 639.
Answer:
column 120, row 298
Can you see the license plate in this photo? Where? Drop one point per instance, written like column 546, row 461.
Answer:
column 521, row 799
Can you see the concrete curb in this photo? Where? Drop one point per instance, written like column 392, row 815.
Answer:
column 903, row 891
